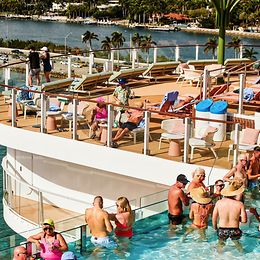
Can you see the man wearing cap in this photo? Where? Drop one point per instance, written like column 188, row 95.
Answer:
column 176, row 197
column 20, row 253
column 229, row 212
column 34, row 64
column 253, row 172
column 99, row 224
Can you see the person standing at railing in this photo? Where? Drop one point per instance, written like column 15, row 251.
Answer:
column 45, row 57
column 34, row 65
column 51, row 243
column 99, row 224
column 177, row 197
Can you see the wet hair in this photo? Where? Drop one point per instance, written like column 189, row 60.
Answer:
column 98, row 198
column 123, row 202
column 257, row 149
column 217, row 181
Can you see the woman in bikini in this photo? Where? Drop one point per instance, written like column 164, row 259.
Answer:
column 198, row 177
column 124, row 218
column 51, row 243
column 200, row 211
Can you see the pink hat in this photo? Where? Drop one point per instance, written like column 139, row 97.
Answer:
column 100, row 99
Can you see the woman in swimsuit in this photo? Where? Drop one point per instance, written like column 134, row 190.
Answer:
column 45, row 56
column 51, row 243
column 198, row 177
column 200, row 211
column 124, row 218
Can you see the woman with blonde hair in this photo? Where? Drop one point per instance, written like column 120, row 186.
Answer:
column 124, row 218
column 198, row 177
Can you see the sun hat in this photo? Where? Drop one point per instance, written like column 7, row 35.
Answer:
column 234, row 188
column 200, row 195
column 68, row 256
column 44, row 48
column 48, row 221
column 100, row 99
column 182, row 178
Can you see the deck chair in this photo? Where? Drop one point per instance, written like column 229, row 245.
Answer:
column 206, row 141
column 193, row 76
column 168, row 101
column 200, row 64
column 215, row 71
column 56, row 85
column 68, row 116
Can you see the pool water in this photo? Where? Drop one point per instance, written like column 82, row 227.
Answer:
column 154, row 239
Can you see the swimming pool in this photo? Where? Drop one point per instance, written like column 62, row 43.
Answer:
column 154, row 239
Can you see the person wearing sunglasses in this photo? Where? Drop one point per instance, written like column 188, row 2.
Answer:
column 198, row 177
column 20, row 253
column 219, row 186
column 239, row 171
column 51, row 243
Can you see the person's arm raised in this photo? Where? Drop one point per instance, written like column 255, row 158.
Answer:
column 35, row 239
column 229, row 175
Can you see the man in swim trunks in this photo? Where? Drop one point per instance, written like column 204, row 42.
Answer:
column 176, row 197
column 229, row 212
column 99, row 224
column 253, row 172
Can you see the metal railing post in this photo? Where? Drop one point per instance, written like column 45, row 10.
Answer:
column 205, row 83
column 27, row 74
column 241, row 51
column 147, row 116
column 155, row 51
column 241, row 93
column 110, row 121
column 133, row 57
column 236, row 143
column 14, row 110
column 187, row 122
column 112, row 59
column 91, row 62
column 75, row 119
column 197, row 52
column 83, row 236
column 7, row 75
column 43, row 113
column 41, row 213
column 69, row 67
column 177, row 53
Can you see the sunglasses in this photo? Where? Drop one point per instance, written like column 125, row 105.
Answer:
column 221, row 185
column 48, row 228
column 24, row 253
column 201, row 176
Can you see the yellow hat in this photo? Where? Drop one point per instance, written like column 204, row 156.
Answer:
column 234, row 188
column 48, row 221
column 200, row 195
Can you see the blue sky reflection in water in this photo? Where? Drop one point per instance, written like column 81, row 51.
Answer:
column 56, row 32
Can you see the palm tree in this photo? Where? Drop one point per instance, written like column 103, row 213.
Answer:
column 211, row 45
column 250, row 54
column 223, row 10
column 87, row 37
column 146, row 43
column 235, row 43
column 118, row 41
column 136, row 40
column 107, row 45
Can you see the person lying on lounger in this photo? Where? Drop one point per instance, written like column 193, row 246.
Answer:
column 134, row 118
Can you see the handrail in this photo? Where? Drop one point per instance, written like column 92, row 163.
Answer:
column 71, row 97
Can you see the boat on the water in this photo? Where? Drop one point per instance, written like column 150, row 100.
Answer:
column 54, row 170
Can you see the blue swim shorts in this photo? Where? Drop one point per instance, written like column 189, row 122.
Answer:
column 252, row 185
column 103, row 242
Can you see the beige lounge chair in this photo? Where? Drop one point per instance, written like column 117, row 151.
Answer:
column 53, row 86
column 193, row 76
column 200, row 64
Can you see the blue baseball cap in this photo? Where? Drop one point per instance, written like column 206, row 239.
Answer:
column 68, row 256
column 122, row 81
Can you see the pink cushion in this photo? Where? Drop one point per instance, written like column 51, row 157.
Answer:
column 250, row 136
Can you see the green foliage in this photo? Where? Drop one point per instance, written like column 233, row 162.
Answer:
column 250, row 54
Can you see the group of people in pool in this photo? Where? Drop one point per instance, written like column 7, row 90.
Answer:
column 225, row 203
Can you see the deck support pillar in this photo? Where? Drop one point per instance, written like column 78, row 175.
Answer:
column 236, row 144
column 110, row 121
column 147, row 116
column 75, row 119
column 187, row 132
column 241, row 93
column 197, row 52
column 14, row 110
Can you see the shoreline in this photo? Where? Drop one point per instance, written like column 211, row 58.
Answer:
column 64, row 19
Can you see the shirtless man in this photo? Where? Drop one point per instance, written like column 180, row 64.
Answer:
column 99, row 224
column 198, row 178
column 176, row 197
column 229, row 212
column 200, row 210
column 253, row 172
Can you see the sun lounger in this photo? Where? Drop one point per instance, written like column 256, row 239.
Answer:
column 236, row 62
column 91, row 80
column 53, row 86
column 127, row 73
column 200, row 64
column 161, row 68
